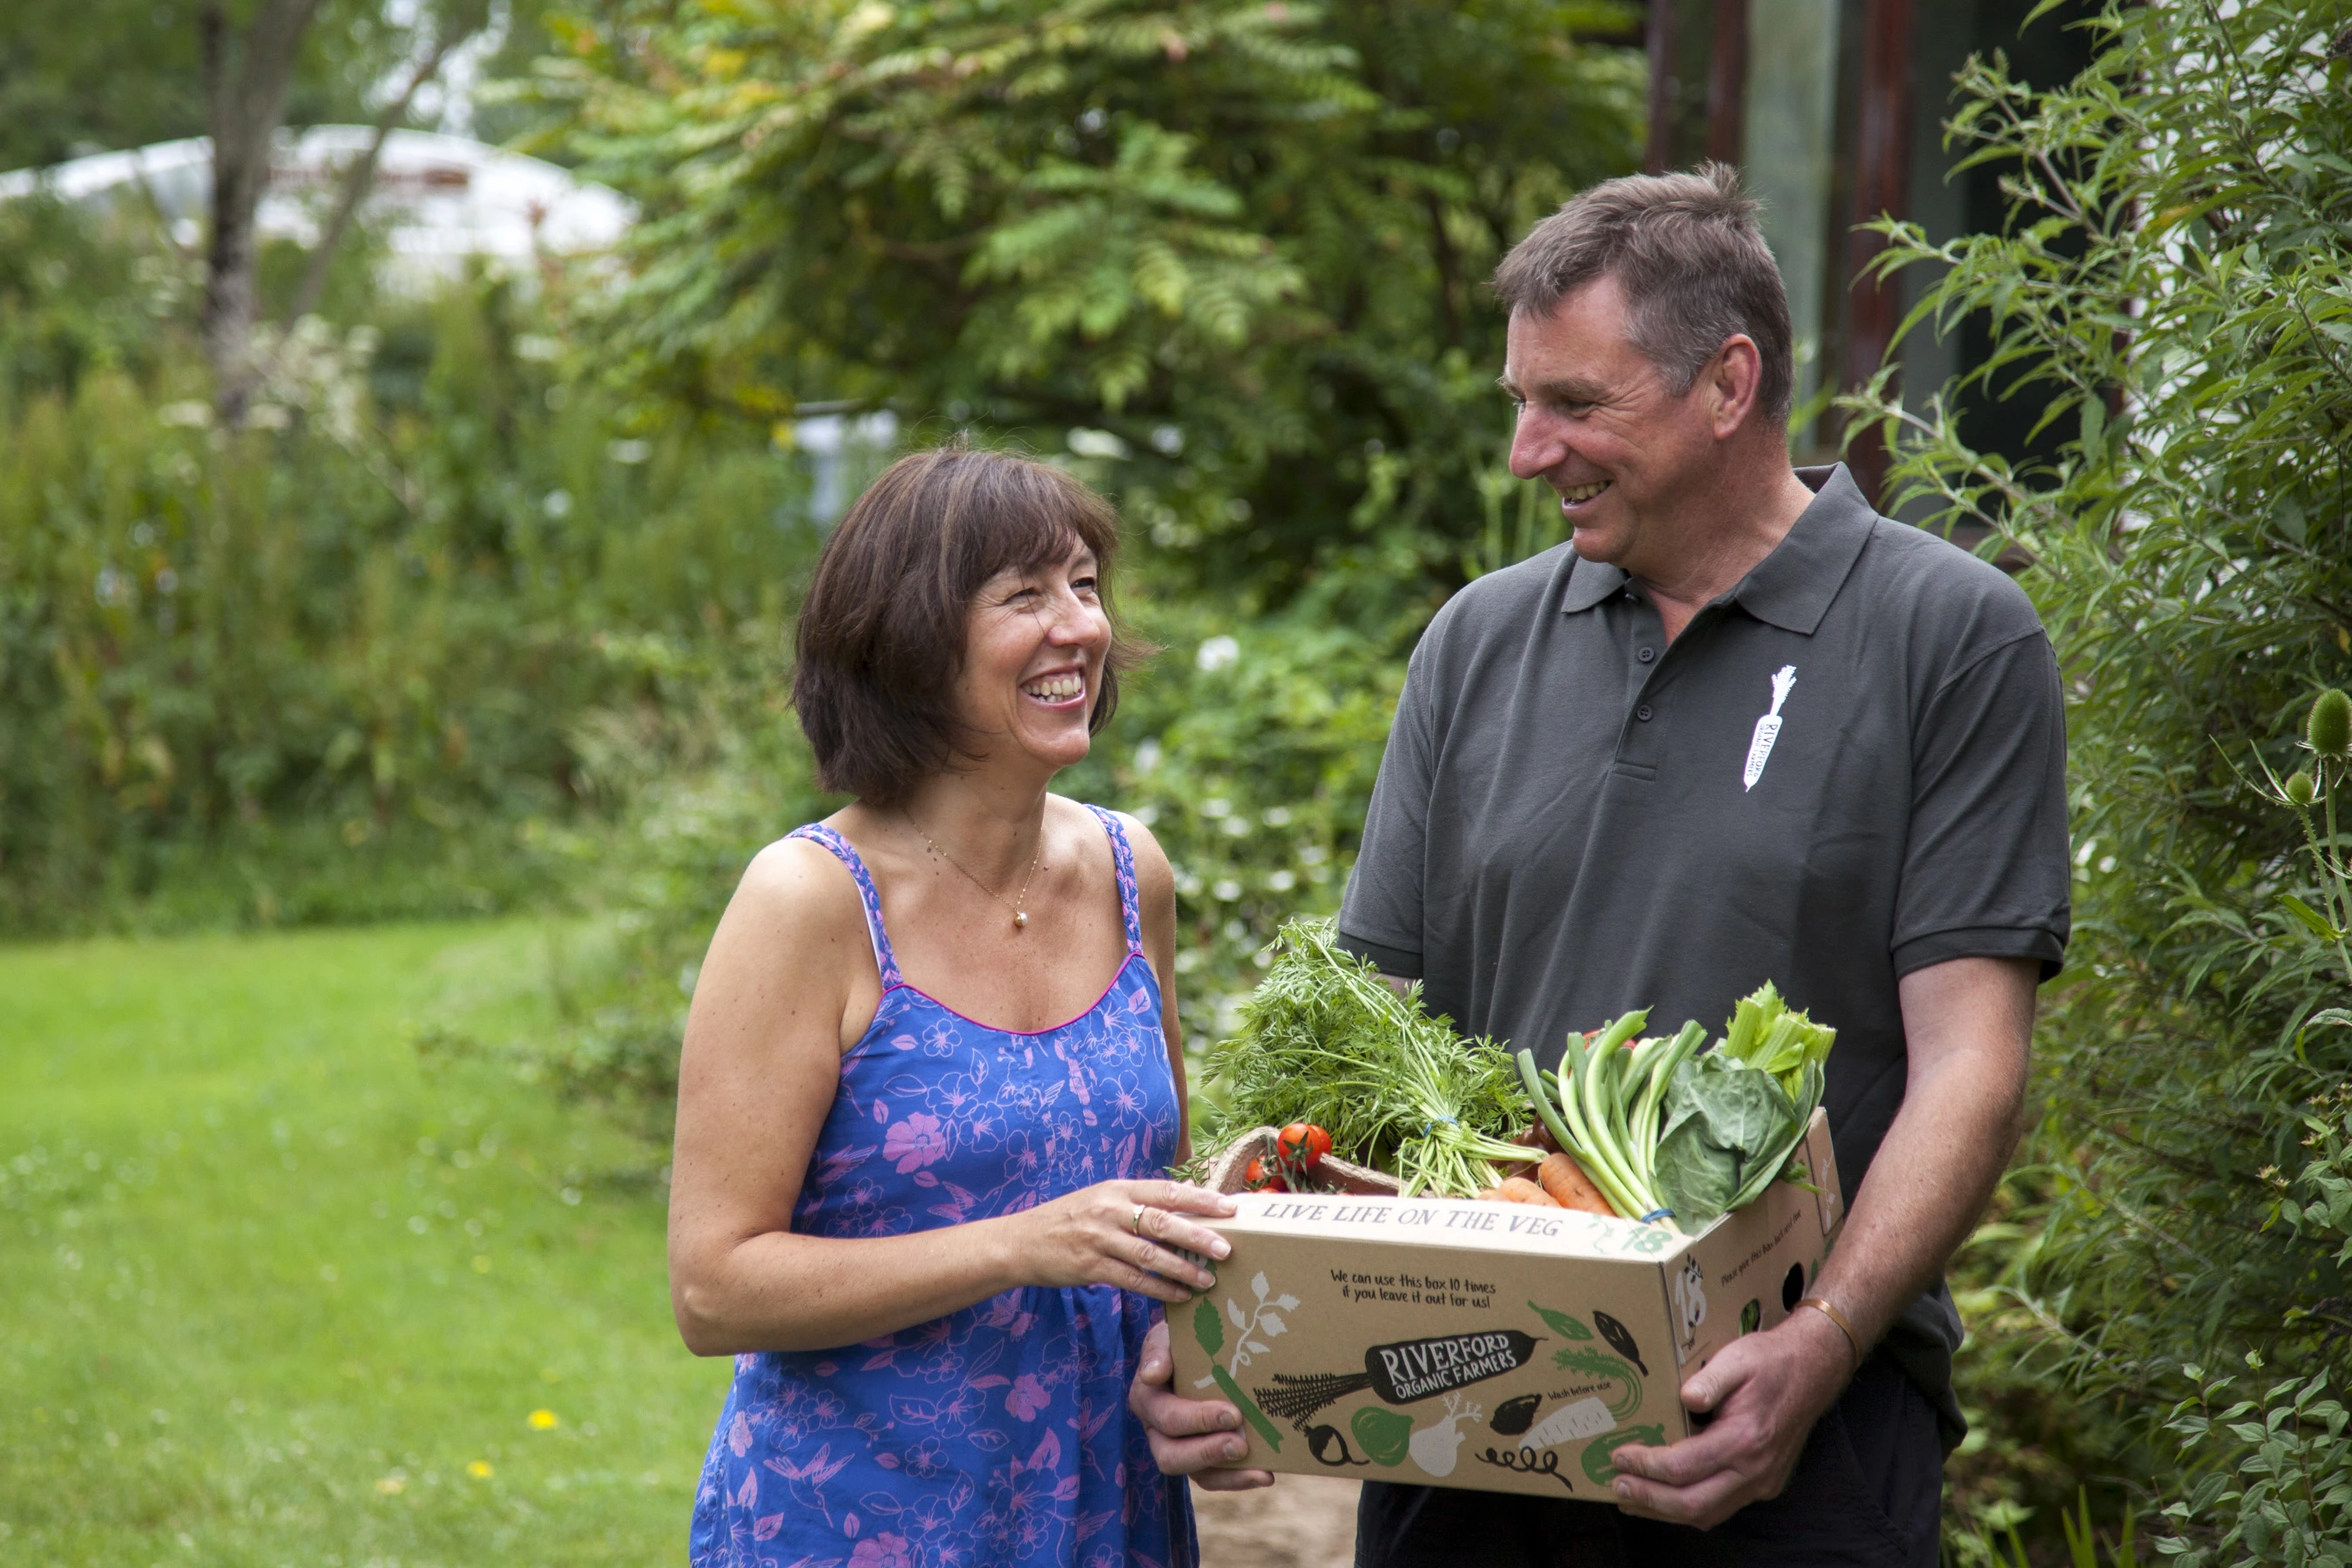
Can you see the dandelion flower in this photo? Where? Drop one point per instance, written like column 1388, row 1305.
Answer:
column 542, row 1420
column 480, row 1469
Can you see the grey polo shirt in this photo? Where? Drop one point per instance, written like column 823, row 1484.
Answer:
column 1849, row 767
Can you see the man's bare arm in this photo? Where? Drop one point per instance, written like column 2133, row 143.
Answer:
column 1969, row 1025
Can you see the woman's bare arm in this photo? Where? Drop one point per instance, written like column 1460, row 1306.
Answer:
column 756, row 1081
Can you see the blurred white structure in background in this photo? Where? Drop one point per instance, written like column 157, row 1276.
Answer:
column 845, row 451
column 442, row 200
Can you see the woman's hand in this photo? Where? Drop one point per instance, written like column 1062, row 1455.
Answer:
column 1195, row 1437
column 1120, row 1233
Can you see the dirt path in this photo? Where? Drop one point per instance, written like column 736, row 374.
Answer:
column 1300, row 1521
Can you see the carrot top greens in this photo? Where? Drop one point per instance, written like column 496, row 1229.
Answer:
column 1326, row 1039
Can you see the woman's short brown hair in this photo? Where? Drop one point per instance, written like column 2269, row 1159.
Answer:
column 880, row 642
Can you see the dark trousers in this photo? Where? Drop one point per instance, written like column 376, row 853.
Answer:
column 1867, row 1493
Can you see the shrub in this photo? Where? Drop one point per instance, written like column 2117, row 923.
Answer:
column 332, row 664
column 2171, row 291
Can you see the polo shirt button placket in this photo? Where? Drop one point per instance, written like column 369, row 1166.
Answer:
column 1642, row 712
column 1646, row 654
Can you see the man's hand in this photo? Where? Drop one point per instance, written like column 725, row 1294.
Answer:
column 1766, row 1389
column 1188, row 1437
column 1967, row 1024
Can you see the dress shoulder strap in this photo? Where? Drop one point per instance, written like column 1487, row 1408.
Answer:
column 1122, row 858
column 884, row 959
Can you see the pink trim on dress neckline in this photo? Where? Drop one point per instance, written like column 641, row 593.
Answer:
column 1116, row 975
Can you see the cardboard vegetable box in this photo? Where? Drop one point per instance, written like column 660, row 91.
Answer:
column 1496, row 1346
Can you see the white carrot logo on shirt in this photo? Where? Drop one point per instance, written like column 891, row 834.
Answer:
column 1767, row 728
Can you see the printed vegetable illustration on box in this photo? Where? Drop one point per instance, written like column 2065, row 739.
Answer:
column 1404, row 1371
column 1264, row 1318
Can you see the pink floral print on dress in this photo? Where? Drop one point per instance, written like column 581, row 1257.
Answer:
column 998, row 1434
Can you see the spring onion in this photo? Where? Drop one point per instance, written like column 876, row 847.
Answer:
column 1663, row 1130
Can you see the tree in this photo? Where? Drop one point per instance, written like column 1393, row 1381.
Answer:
column 98, row 75
column 1237, row 246
column 247, row 72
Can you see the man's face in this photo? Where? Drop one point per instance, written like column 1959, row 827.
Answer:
column 1599, row 424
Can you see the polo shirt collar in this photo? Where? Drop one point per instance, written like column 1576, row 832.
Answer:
column 1589, row 582
column 1792, row 586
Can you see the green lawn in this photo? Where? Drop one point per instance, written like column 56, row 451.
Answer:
column 274, row 1292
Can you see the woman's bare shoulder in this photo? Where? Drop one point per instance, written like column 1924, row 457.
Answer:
column 798, row 887
column 1154, row 878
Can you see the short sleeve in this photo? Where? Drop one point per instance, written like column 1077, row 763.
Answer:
column 1986, row 872
column 1380, row 915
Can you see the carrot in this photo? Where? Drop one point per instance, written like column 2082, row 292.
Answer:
column 1491, row 1195
column 1519, row 1190
column 1567, row 1185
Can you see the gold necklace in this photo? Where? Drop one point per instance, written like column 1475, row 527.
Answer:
column 1020, row 915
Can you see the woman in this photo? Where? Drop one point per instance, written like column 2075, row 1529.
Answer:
column 917, row 1131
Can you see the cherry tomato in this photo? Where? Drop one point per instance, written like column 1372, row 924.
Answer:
column 1258, row 1177
column 1303, row 1144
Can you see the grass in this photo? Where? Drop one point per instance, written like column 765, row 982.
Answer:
column 273, row 1292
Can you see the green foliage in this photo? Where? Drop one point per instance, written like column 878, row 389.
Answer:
column 102, row 75
column 1249, row 748
column 75, row 298
column 2281, row 1494
column 713, row 768
column 2171, row 291
column 2328, row 731
column 364, row 634
column 2082, row 1541
column 1236, row 245
column 1227, row 252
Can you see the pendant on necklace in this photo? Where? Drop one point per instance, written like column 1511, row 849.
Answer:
column 1020, row 918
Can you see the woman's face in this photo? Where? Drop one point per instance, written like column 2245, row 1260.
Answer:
column 1034, row 652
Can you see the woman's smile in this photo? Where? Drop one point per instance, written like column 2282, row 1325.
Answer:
column 1059, row 690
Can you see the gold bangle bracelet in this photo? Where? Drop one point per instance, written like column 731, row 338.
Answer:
column 1834, row 1315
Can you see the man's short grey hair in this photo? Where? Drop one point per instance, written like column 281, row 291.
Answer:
column 1694, row 268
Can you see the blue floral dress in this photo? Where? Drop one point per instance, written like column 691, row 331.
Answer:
column 999, row 1433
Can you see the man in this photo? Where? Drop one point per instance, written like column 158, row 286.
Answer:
column 1739, row 729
